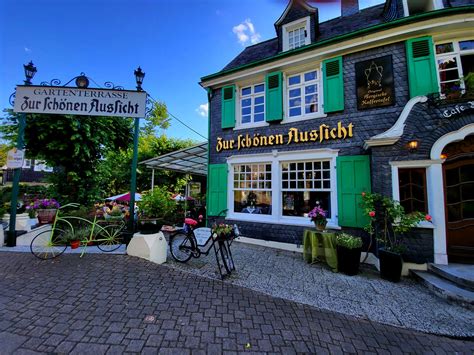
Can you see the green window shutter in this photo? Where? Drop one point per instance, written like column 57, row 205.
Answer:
column 217, row 192
column 333, row 85
column 228, row 106
column 353, row 178
column 274, row 97
column 422, row 75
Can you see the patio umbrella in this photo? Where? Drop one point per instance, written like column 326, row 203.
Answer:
column 124, row 197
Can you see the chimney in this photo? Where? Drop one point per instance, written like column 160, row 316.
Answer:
column 349, row 7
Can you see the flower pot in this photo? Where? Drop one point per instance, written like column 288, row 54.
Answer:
column 390, row 265
column 348, row 260
column 149, row 226
column 320, row 226
column 222, row 237
column 75, row 244
column 46, row 216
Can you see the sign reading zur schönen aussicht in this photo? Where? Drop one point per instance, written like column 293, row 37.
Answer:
column 74, row 101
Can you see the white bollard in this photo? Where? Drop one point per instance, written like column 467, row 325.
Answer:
column 159, row 250
column 151, row 247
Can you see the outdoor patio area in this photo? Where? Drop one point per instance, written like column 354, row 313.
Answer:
column 284, row 274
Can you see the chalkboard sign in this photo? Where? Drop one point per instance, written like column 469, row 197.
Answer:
column 202, row 235
column 374, row 83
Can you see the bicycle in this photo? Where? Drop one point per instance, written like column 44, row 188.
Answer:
column 52, row 243
column 190, row 243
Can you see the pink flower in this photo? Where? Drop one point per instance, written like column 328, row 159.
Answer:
column 190, row 221
column 363, row 194
column 428, row 218
column 372, row 213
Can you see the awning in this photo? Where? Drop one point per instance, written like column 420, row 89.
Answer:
column 125, row 197
column 192, row 160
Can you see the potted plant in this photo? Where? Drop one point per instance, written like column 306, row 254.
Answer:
column 223, row 231
column 389, row 222
column 348, row 249
column 113, row 214
column 318, row 216
column 46, row 209
column 155, row 206
column 70, row 237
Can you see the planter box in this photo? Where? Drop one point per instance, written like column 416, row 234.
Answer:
column 348, row 260
column 149, row 226
column 390, row 265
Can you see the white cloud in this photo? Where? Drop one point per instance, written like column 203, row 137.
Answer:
column 245, row 32
column 203, row 109
column 27, row 50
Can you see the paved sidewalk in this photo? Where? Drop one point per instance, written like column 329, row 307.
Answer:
column 284, row 274
column 114, row 304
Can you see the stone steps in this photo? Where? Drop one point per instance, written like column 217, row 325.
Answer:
column 449, row 282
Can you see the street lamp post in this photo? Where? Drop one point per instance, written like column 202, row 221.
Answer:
column 30, row 71
column 139, row 75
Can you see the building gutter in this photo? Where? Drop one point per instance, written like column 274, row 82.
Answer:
column 383, row 26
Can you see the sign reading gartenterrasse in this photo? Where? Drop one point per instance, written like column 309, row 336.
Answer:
column 74, row 101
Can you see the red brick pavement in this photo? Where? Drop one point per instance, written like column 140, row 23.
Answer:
column 113, row 304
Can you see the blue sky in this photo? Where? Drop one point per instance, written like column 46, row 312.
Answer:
column 175, row 42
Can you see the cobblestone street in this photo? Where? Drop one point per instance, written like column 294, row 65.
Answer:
column 115, row 303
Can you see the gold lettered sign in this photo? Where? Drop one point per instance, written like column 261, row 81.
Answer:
column 294, row 135
column 374, row 81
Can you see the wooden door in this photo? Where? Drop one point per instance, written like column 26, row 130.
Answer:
column 459, row 192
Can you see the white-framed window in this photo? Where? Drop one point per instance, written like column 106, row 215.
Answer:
column 40, row 165
column 27, row 163
column 296, row 34
column 412, row 186
column 282, row 187
column 414, row 7
column 252, row 104
column 303, row 185
column 296, row 37
column 455, row 60
column 303, row 95
column 252, row 188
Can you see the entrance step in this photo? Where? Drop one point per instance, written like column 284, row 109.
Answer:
column 445, row 288
column 461, row 274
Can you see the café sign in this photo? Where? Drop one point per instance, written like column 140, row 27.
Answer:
column 294, row 135
column 458, row 110
column 75, row 101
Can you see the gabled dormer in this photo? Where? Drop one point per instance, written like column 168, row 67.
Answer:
column 297, row 26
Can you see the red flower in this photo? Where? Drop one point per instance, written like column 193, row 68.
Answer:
column 372, row 213
column 428, row 218
column 190, row 221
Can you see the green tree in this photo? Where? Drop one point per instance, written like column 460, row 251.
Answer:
column 74, row 146
column 115, row 169
column 157, row 118
column 4, row 148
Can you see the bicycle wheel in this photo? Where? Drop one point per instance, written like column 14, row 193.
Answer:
column 226, row 258
column 181, row 247
column 109, row 238
column 44, row 247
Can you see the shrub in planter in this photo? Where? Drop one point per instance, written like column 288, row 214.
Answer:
column 389, row 223
column 349, row 249
column 155, row 207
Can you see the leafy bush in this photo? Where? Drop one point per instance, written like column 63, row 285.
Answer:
column 388, row 220
column 3, row 210
column 157, row 204
column 348, row 241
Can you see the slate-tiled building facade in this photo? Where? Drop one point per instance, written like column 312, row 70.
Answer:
column 325, row 111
